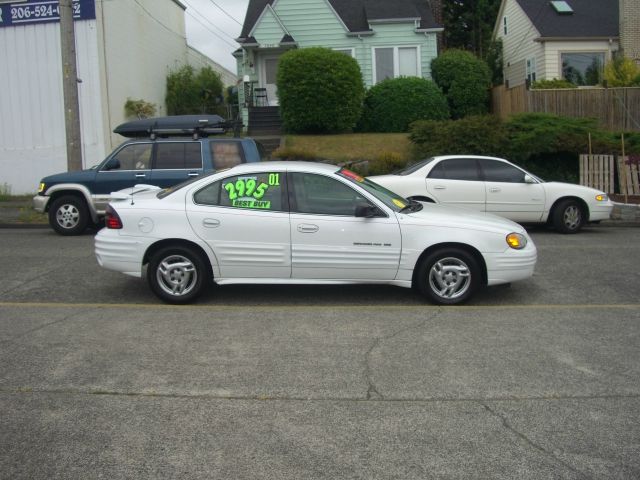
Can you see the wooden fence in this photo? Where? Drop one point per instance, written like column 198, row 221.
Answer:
column 615, row 108
column 600, row 171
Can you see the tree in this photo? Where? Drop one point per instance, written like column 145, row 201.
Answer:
column 468, row 24
column 191, row 92
column 465, row 81
column 320, row 90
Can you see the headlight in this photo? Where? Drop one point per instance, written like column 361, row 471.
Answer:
column 516, row 241
column 42, row 187
column 601, row 197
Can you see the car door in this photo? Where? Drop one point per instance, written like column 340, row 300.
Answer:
column 245, row 221
column 457, row 182
column 509, row 194
column 175, row 162
column 329, row 242
column 126, row 167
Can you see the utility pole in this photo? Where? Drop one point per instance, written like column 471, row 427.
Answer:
column 70, row 86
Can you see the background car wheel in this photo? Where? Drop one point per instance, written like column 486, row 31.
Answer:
column 568, row 216
column 69, row 215
column 448, row 276
column 178, row 274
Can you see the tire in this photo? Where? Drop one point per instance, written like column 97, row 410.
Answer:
column 69, row 215
column 178, row 274
column 568, row 216
column 448, row 276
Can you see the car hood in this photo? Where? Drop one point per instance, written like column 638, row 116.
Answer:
column 570, row 188
column 70, row 177
column 454, row 217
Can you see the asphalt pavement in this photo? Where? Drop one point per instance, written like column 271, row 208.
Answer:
column 537, row 380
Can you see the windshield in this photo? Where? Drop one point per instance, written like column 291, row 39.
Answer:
column 390, row 199
column 409, row 169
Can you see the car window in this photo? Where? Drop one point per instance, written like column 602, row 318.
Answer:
column 321, row 195
column 409, row 169
column 456, row 169
column 226, row 154
column 135, row 156
column 255, row 191
column 178, row 155
column 495, row 171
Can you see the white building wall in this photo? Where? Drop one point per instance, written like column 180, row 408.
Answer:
column 199, row 60
column 518, row 44
column 32, row 133
column 126, row 52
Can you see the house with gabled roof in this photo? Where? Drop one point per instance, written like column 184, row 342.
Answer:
column 388, row 39
column 558, row 39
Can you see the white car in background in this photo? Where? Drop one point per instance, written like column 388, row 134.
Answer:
column 496, row 186
column 305, row 223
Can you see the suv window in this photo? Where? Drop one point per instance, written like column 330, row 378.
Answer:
column 226, row 154
column 323, row 195
column 178, row 155
column 135, row 156
column 495, row 171
column 256, row 191
column 456, row 169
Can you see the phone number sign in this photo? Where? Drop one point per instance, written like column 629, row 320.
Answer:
column 14, row 14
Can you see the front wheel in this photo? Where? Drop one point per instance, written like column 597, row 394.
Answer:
column 178, row 274
column 448, row 276
column 69, row 215
column 568, row 216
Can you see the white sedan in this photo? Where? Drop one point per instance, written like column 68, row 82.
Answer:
column 305, row 223
column 496, row 186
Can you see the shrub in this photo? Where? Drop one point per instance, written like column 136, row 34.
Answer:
column 465, row 81
column 552, row 84
column 391, row 105
column 139, row 108
column 191, row 92
column 320, row 91
column 622, row 72
column 386, row 162
column 479, row 135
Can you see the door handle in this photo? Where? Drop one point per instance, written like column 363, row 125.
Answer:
column 439, row 187
column 494, row 189
column 140, row 175
column 193, row 174
column 305, row 228
column 210, row 223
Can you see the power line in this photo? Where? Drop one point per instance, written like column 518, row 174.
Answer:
column 225, row 12
column 208, row 21
column 210, row 31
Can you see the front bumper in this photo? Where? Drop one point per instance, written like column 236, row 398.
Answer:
column 40, row 202
column 600, row 211
column 511, row 265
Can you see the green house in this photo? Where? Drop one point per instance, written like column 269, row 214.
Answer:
column 387, row 38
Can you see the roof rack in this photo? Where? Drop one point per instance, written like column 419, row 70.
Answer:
column 177, row 125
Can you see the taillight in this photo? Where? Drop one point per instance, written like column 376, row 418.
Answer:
column 112, row 220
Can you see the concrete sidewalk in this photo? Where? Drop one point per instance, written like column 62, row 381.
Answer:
column 20, row 214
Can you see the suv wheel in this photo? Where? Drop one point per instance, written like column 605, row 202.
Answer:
column 69, row 215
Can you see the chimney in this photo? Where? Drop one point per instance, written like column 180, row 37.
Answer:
column 630, row 29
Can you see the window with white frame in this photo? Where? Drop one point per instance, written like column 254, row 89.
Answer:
column 531, row 69
column 392, row 62
column 582, row 68
column 347, row 51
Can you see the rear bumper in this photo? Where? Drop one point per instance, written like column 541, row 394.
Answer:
column 119, row 253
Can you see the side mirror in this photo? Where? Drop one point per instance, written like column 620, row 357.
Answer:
column 529, row 179
column 112, row 164
column 365, row 210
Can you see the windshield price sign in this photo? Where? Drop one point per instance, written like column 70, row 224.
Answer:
column 14, row 14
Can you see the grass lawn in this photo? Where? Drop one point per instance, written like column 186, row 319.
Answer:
column 352, row 146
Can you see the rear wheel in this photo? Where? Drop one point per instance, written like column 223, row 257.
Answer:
column 178, row 274
column 448, row 276
column 69, row 215
column 568, row 216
